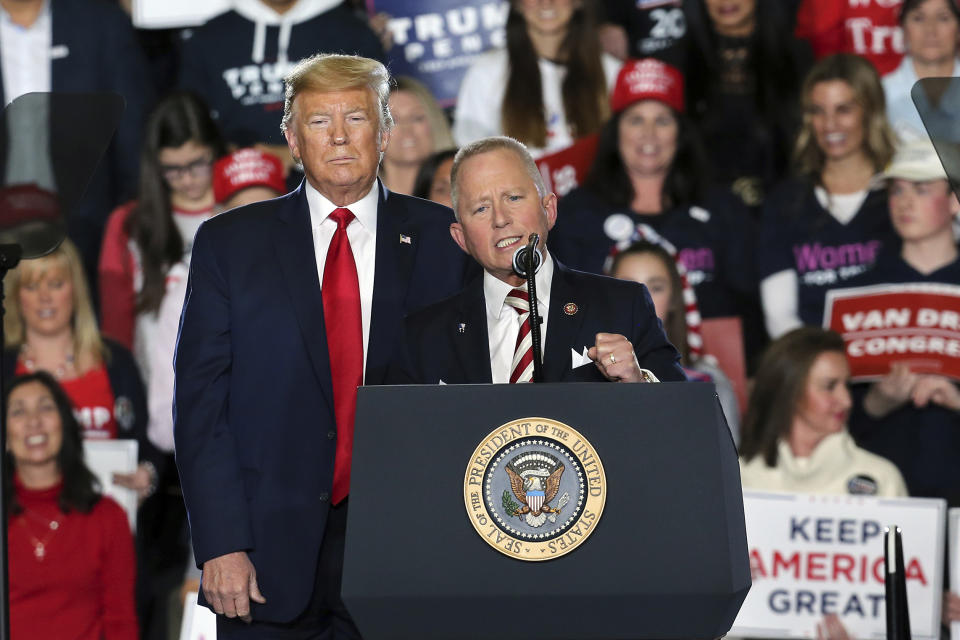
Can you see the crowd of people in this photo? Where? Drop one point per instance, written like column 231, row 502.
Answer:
column 750, row 156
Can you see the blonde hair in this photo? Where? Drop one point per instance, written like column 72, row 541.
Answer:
column 88, row 346
column 879, row 139
column 335, row 72
column 439, row 126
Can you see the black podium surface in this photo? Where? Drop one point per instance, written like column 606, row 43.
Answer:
column 667, row 558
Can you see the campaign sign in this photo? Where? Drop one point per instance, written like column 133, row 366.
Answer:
column 917, row 324
column 436, row 41
column 815, row 555
column 107, row 457
column 566, row 169
column 198, row 623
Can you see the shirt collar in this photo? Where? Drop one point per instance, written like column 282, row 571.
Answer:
column 364, row 209
column 495, row 290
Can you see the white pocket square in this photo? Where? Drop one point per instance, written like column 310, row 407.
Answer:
column 441, row 382
column 579, row 359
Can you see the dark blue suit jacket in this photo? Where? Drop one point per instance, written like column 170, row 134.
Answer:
column 253, row 409
column 448, row 341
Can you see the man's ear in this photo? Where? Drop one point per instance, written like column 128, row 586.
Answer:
column 456, row 232
column 384, row 139
column 549, row 203
column 292, row 143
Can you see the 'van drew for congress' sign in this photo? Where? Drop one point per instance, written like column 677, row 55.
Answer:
column 817, row 555
column 917, row 324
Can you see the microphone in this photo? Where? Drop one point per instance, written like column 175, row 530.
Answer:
column 522, row 256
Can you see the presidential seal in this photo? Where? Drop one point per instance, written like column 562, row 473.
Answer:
column 534, row 489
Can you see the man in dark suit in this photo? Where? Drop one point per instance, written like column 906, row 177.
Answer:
column 594, row 328
column 291, row 304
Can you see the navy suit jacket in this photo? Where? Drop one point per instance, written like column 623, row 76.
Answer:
column 253, row 409
column 448, row 341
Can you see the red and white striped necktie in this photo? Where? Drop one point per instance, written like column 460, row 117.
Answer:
column 521, row 369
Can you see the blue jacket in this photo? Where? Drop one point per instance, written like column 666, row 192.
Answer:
column 254, row 424
column 449, row 341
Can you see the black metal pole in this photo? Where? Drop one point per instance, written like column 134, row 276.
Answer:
column 898, row 617
column 9, row 257
column 534, row 311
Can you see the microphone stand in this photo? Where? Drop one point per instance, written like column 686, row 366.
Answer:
column 530, row 266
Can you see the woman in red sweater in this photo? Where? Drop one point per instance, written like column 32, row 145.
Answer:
column 71, row 555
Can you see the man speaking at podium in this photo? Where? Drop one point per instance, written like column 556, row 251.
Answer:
column 593, row 328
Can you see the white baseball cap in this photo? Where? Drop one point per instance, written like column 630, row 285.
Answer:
column 916, row 160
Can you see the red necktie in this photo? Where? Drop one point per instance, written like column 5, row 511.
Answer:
column 341, row 314
column 521, row 369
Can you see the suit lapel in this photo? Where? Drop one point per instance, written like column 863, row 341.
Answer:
column 62, row 23
column 397, row 247
column 293, row 241
column 472, row 345
column 562, row 327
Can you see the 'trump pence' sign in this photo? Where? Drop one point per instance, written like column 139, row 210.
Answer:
column 436, row 41
column 817, row 555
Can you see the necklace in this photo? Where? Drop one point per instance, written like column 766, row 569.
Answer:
column 39, row 544
column 65, row 369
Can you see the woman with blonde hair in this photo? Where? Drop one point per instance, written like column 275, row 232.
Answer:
column 828, row 222
column 420, row 129
column 50, row 326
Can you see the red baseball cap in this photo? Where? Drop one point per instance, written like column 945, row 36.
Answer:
column 647, row 79
column 22, row 203
column 247, row 168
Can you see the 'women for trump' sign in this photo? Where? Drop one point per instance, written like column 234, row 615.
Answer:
column 917, row 324
column 812, row 556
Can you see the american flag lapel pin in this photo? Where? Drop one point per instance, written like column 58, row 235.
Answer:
column 462, row 327
column 405, row 239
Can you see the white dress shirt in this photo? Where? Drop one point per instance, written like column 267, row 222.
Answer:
column 25, row 54
column 503, row 321
column 362, row 234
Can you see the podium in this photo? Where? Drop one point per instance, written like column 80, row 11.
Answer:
column 666, row 558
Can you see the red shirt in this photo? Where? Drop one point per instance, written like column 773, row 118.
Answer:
column 869, row 28
column 93, row 402
column 83, row 587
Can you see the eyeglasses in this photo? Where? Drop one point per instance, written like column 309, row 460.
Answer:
column 196, row 169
